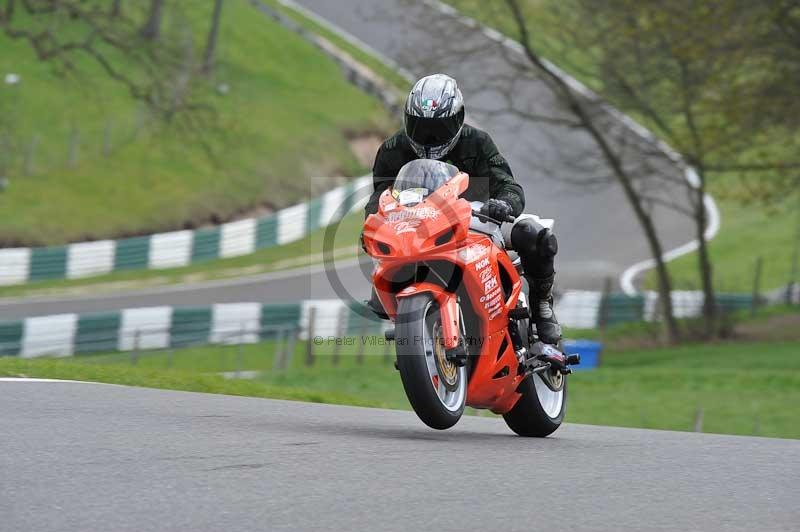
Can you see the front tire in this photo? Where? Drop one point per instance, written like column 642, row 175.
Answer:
column 540, row 410
column 436, row 389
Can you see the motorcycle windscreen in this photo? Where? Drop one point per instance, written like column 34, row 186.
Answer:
column 419, row 179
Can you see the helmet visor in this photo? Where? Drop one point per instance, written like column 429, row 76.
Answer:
column 434, row 132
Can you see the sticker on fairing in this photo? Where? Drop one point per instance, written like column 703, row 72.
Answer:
column 412, row 196
column 473, row 253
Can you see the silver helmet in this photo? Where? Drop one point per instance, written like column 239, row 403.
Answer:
column 434, row 116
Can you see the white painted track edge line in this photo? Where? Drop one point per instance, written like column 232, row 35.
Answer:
column 30, row 379
column 627, row 278
column 714, row 223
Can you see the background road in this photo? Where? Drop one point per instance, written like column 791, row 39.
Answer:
column 598, row 234
column 97, row 457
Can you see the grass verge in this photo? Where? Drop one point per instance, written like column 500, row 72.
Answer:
column 740, row 388
column 167, row 380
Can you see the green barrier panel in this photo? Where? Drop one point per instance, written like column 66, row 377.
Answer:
column 313, row 214
column 734, row 302
column 620, row 308
column 10, row 338
column 362, row 322
column 190, row 326
column 132, row 253
column 97, row 333
column 205, row 245
column 48, row 263
column 267, row 232
column 275, row 316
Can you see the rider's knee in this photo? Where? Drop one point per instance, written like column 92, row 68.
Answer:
column 529, row 237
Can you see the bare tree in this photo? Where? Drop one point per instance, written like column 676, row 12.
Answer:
column 213, row 34
column 569, row 133
column 594, row 118
column 709, row 78
column 152, row 28
column 116, row 8
column 713, row 79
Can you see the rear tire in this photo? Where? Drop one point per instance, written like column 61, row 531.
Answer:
column 436, row 390
column 540, row 410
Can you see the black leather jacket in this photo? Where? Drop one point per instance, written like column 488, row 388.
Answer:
column 475, row 154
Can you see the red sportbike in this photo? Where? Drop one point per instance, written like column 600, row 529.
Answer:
column 463, row 332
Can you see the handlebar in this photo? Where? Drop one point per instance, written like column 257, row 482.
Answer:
column 482, row 217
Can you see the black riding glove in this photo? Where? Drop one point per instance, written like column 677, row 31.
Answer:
column 497, row 209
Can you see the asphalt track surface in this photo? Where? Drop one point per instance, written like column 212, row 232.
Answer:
column 81, row 456
column 599, row 237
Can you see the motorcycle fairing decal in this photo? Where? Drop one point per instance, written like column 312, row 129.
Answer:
column 416, row 213
column 473, row 253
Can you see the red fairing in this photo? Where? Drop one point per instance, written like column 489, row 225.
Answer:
column 437, row 229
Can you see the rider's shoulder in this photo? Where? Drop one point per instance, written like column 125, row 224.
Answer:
column 475, row 134
column 396, row 142
column 474, row 141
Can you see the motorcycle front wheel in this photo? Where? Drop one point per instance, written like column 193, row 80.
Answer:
column 435, row 387
column 540, row 410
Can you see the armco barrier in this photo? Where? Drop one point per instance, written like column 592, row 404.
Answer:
column 237, row 323
column 181, row 248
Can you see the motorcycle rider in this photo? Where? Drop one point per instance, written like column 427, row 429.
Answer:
column 435, row 129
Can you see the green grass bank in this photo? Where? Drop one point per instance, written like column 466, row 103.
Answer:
column 90, row 163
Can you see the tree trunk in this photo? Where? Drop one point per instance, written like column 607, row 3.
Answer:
column 211, row 43
column 671, row 332
column 116, row 8
column 704, row 261
column 152, row 28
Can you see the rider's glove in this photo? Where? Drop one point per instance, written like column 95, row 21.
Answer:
column 497, row 209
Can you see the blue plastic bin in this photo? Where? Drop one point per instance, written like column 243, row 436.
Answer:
column 588, row 350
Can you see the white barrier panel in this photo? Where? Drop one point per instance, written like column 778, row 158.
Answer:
column 145, row 328
column 170, row 250
column 363, row 190
column 326, row 317
column 331, row 203
column 651, row 309
column 687, row 304
column 90, row 258
column 292, row 223
column 235, row 323
column 49, row 336
column 579, row 309
column 15, row 266
column 238, row 238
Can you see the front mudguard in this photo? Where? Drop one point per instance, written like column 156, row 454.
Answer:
column 448, row 309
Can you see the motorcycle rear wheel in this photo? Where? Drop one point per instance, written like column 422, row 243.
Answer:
column 436, row 389
column 540, row 410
